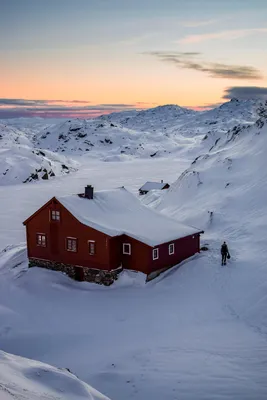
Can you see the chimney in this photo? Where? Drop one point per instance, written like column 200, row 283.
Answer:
column 89, row 192
column 161, row 180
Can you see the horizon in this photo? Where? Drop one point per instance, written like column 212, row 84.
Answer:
column 95, row 57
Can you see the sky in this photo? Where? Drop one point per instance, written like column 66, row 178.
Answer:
column 82, row 58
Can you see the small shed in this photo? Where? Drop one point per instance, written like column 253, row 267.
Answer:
column 153, row 186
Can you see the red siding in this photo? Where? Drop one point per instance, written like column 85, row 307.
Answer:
column 139, row 258
column 183, row 248
column 57, row 232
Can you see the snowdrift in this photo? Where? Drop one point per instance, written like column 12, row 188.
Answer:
column 20, row 162
column 21, row 378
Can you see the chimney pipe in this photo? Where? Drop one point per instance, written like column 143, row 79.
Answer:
column 161, row 180
column 89, row 192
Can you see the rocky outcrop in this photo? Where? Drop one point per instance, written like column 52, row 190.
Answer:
column 101, row 277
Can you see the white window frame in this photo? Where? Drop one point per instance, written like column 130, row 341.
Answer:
column 171, row 249
column 89, row 247
column 124, row 251
column 72, row 250
column 55, row 215
column 43, row 243
column 155, row 257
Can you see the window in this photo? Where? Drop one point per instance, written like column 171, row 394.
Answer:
column 55, row 215
column 171, row 248
column 91, row 246
column 71, row 244
column 127, row 248
column 41, row 239
column 155, row 254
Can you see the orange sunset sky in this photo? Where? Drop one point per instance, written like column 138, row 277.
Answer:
column 89, row 57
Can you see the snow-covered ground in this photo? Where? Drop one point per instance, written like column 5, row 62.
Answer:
column 21, row 162
column 198, row 331
column 22, row 379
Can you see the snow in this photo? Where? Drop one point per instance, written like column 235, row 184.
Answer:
column 27, row 379
column 118, row 212
column 199, row 331
column 21, row 162
column 153, row 186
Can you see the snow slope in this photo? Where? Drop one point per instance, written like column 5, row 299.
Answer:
column 21, row 162
column 224, row 191
column 157, row 132
column 154, row 119
column 27, row 379
column 165, row 131
column 178, row 337
column 104, row 141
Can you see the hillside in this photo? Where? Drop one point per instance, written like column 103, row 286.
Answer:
column 22, row 379
column 165, row 131
column 223, row 191
column 154, row 119
column 21, row 162
column 104, row 140
column 157, row 132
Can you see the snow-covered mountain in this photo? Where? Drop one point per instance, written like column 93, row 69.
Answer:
column 23, row 379
column 105, row 141
column 154, row 119
column 156, row 132
column 21, row 162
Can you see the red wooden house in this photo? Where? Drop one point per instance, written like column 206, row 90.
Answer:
column 92, row 236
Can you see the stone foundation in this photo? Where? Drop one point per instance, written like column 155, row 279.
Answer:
column 100, row 277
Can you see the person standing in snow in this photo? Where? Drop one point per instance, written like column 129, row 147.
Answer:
column 224, row 253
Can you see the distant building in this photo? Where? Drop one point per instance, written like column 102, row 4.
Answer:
column 152, row 186
column 93, row 236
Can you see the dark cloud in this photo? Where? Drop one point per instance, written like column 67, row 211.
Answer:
column 246, row 92
column 21, row 102
column 190, row 60
column 117, row 105
column 12, row 108
column 25, row 102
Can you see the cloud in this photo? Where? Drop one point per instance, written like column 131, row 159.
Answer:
column 196, row 24
column 117, row 105
column 246, row 92
column 225, row 35
column 26, row 102
column 15, row 108
column 190, row 60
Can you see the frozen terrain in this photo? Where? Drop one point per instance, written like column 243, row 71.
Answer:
column 27, row 379
column 198, row 331
column 166, row 131
column 22, row 162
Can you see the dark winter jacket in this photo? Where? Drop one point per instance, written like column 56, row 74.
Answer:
column 224, row 249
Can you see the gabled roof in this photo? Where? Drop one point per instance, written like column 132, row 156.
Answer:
column 153, row 185
column 118, row 212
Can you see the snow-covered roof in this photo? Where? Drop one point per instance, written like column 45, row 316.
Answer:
column 117, row 212
column 153, row 185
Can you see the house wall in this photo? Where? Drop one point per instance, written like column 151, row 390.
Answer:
column 139, row 258
column 56, row 234
column 183, row 248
